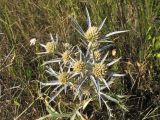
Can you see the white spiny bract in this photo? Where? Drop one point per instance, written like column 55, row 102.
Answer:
column 84, row 69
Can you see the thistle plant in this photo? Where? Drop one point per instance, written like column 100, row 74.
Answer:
column 81, row 70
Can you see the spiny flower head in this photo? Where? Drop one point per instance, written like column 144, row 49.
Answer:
column 95, row 45
column 97, row 55
column 79, row 66
column 67, row 45
column 99, row 70
column 91, row 34
column 66, row 56
column 50, row 47
column 63, row 77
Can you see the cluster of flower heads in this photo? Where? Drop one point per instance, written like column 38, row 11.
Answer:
column 80, row 69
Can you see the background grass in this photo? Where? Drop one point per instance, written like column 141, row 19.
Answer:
column 21, row 20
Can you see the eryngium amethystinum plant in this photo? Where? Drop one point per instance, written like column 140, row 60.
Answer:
column 86, row 72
